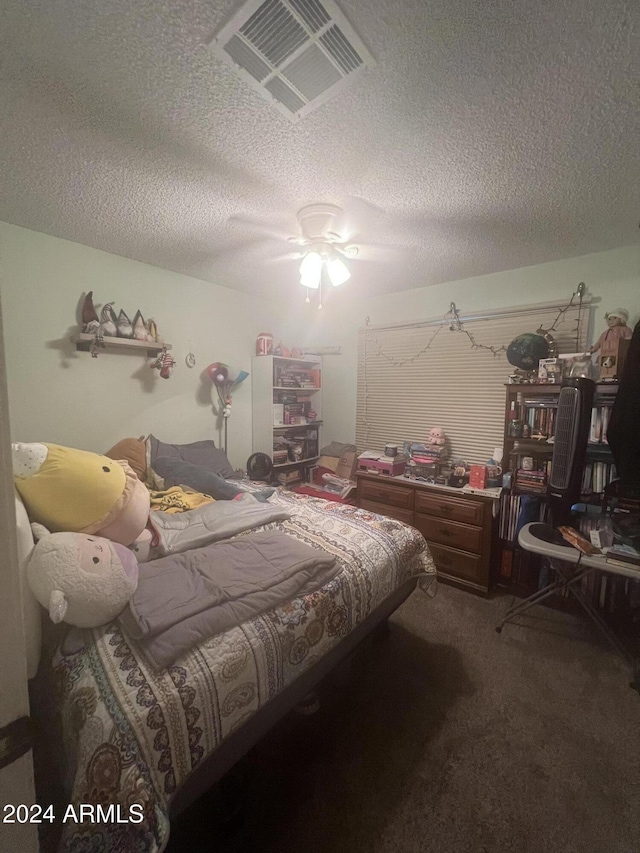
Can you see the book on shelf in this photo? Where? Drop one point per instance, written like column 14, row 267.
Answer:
column 296, row 377
column 599, row 425
column 597, row 475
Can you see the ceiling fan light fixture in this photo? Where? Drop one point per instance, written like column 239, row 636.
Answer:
column 338, row 272
column 311, row 270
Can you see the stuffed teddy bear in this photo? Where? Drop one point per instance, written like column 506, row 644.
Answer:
column 81, row 492
column 436, row 436
column 84, row 580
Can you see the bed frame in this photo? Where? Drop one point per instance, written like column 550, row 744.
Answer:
column 213, row 768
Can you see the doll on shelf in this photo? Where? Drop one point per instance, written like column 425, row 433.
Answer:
column 616, row 330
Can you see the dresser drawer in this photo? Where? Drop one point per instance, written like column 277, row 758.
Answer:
column 452, row 533
column 443, row 506
column 459, row 564
column 386, row 493
column 396, row 512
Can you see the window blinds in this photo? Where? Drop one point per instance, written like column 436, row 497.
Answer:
column 414, row 377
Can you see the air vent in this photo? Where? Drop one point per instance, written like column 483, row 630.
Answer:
column 297, row 53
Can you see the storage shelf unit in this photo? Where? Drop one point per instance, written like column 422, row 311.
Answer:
column 519, row 570
column 278, row 383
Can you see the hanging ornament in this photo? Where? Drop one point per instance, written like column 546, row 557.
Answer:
column 97, row 343
column 165, row 363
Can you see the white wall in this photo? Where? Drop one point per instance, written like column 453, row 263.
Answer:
column 59, row 395
column 66, row 397
column 612, row 279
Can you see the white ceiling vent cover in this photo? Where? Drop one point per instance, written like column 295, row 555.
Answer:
column 297, row 53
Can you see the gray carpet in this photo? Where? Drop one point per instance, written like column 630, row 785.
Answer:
column 446, row 737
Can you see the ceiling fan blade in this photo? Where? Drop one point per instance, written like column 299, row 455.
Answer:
column 287, row 256
column 381, row 252
column 264, row 228
column 359, row 217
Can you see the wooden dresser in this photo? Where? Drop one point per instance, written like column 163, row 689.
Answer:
column 457, row 525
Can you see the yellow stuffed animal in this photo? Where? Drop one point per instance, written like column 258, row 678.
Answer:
column 74, row 490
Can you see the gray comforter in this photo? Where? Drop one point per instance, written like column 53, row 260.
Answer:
column 176, row 532
column 183, row 599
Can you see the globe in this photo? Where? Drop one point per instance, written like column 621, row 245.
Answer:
column 526, row 350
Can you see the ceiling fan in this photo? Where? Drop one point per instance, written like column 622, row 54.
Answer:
column 322, row 245
column 328, row 242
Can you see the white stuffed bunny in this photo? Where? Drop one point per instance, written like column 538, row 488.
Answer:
column 82, row 579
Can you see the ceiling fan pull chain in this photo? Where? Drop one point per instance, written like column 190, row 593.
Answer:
column 320, row 295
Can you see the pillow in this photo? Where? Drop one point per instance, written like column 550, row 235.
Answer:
column 203, row 453
column 134, row 451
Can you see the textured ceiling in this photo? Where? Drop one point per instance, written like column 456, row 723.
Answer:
column 490, row 135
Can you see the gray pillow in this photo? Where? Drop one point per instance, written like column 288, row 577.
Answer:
column 203, row 453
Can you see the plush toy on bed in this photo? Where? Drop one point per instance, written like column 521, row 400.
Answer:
column 77, row 491
column 84, row 580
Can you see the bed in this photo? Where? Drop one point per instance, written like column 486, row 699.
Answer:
column 147, row 743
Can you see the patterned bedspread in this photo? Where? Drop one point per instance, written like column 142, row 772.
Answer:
column 133, row 735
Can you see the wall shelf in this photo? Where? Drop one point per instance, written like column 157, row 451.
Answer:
column 83, row 343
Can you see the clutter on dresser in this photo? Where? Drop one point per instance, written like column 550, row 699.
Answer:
column 460, row 476
column 377, row 463
column 425, row 460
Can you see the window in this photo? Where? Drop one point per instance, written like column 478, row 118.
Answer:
column 414, row 377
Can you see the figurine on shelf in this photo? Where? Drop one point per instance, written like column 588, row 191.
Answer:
column 108, row 321
column 612, row 345
column 152, row 329
column 90, row 319
column 616, row 330
column 123, row 325
column 140, row 332
column 282, row 350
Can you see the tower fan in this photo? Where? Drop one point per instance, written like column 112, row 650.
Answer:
column 573, row 419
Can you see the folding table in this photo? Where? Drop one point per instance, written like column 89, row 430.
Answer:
column 571, row 566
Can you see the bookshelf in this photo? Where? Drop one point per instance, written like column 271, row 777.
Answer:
column 528, row 448
column 287, row 414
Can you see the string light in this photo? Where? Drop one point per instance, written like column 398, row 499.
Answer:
column 454, row 323
column 579, row 292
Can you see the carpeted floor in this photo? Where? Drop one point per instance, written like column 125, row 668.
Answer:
column 446, row 737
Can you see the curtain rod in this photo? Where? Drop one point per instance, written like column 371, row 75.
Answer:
column 520, row 311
